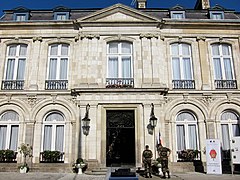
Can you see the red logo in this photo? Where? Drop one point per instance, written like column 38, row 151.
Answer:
column 213, row 154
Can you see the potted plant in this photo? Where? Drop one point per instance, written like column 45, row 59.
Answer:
column 79, row 165
column 156, row 166
column 26, row 151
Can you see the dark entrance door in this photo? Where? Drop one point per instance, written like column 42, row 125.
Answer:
column 120, row 138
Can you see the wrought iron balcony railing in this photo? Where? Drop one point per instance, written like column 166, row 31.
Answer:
column 119, row 83
column 12, row 84
column 56, row 84
column 225, row 84
column 183, row 84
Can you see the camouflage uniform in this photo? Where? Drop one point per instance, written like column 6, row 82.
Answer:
column 163, row 154
column 147, row 161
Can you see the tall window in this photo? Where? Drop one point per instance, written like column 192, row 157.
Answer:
column 58, row 66
column 15, row 66
column 182, row 66
column 187, row 131
column 120, row 70
column 223, row 66
column 53, row 132
column 230, row 127
column 9, row 123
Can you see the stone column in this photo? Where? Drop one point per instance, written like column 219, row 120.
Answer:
column 205, row 73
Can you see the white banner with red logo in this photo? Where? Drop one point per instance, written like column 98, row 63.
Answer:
column 213, row 155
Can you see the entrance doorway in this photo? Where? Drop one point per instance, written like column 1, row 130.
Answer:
column 120, row 138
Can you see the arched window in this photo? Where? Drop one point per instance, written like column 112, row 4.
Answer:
column 230, row 127
column 58, row 58
column 120, row 68
column 223, row 66
column 15, row 66
column 53, row 132
column 187, row 131
column 182, row 71
column 9, row 124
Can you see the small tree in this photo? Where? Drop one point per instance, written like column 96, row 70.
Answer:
column 26, row 151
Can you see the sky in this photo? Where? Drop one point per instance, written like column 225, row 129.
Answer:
column 81, row 4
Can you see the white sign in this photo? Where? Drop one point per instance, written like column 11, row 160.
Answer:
column 235, row 148
column 213, row 154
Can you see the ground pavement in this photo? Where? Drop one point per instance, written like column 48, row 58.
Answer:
column 72, row 176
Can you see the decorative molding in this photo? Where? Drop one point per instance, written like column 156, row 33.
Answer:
column 148, row 36
column 89, row 36
column 201, row 38
column 185, row 98
column 32, row 100
column 39, row 38
column 220, row 39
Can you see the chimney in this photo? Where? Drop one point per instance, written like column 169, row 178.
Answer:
column 141, row 4
column 202, row 4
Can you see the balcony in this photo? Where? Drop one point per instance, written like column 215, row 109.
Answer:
column 225, row 84
column 56, row 84
column 119, row 83
column 183, row 84
column 12, row 84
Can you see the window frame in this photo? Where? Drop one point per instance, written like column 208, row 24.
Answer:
column 17, row 57
column 222, row 57
column 119, row 55
column 172, row 13
column 66, row 14
column 186, row 123
column 10, row 123
column 213, row 13
column 53, row 125
column 180, row 56
column 22, row 14
column 58, row 57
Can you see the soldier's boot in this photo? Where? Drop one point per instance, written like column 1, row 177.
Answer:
column 168, row 174
column 146, row 175
column 150, row 175
column 164, row 175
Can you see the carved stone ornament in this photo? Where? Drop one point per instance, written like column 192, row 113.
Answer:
column 148, row 36
column 89, row 36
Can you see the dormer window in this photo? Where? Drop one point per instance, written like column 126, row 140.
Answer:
column 20, row 14
column 217, row 12
column 177, row 14
column 216, row 15
column 61, row 16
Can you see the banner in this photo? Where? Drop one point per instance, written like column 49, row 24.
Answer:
column 213, row 155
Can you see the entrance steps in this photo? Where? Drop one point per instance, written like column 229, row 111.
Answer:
column 97, row 171
column 51, row 167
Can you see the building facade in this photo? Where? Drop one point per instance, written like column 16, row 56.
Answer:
column 87, row 82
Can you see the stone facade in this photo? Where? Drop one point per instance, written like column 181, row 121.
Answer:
column 151, row 33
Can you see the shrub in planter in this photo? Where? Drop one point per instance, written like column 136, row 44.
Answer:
column 188, row 155
column 7, row 155
column 51, row 156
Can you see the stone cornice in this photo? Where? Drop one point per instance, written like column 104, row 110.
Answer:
column 77, row 91
column 200, row 23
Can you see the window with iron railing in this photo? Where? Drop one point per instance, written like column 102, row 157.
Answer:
column 120, row 68
column 15, row 67
column 223, row 66
column 57, row 67
column 182, row 71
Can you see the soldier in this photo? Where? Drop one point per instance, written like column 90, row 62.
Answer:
column 147, row 161
column 164, row 153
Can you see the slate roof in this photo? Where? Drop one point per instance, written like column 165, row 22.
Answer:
column 48, row 14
